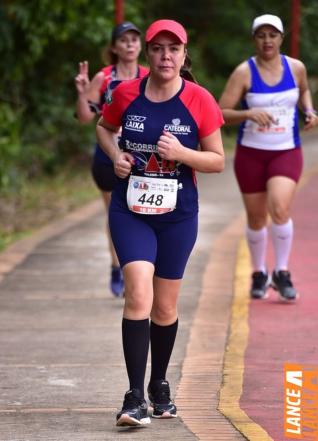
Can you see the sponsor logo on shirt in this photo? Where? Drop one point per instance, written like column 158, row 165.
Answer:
column 149, row 162
column 140, row 147
column 176, row 128
column 135, row 123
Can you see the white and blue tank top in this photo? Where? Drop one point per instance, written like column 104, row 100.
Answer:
column 281, row 101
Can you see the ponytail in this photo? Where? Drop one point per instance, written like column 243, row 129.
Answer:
column 185, row 71
column 108, row 56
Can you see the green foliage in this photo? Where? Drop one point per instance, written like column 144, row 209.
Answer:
column 9, row 146
column 308, row 54
column 309, row 30
column 42, row 200
column 41, row 44
column 220, row 32
column 42, row 41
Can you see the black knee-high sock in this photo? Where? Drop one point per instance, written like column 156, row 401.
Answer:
column 136, row 345
column 162, row 341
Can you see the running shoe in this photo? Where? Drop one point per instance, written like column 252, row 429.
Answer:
column 260, row 284
column 282, row 283
column 117, row 281
column 134, row 411
column 159, row 397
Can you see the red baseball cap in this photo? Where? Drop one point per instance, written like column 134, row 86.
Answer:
column 166, row 26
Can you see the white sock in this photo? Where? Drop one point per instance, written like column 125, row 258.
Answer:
column 257, row 243
column 282, row 236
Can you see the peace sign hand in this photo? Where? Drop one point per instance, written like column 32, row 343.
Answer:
column 82, row 82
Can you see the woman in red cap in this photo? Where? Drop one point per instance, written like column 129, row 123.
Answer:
column 170, row 129
column 123, row 53
column 268, row 160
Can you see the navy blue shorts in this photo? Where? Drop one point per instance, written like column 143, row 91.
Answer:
column 103, row 175
column 167, row 245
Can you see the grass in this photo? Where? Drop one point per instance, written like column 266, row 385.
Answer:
column 49, row 198
column 42, row 200
column 229, row 140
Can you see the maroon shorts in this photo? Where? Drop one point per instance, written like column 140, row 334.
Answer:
column 254, row 167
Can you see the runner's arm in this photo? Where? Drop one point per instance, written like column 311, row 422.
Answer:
column 305, row 98
column 210, row 159
column 107, row 136
column 84, row 111
column 235, row 89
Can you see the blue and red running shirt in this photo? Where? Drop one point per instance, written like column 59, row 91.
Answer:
column 190, row 115
column 105, row 93
column 111, row 81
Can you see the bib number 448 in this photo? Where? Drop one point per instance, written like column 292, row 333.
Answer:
column 152, row 199
column 148, row 195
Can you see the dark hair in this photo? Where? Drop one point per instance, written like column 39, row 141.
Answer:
column 111, row 57
column 185, row 71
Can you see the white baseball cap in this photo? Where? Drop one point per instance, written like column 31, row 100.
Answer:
column 267, row 19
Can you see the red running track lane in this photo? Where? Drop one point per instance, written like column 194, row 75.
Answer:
column 284, row 332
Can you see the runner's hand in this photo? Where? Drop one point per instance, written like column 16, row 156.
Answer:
column 261, row 117
column 82, row 79
column 122, row 164
column 169, row 147
column 311, row 120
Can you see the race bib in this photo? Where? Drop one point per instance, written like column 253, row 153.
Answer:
column 151, row 195
column 283, row 117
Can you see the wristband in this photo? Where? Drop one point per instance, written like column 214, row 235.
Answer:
column 94, row 107
column 310, row 111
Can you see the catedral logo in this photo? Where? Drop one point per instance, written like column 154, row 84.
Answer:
column 301, row 402
column 176, row 128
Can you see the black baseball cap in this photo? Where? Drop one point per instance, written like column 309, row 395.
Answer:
column 121, row 28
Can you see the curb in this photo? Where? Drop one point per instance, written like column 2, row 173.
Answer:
column 19, row 250
column 198, row 390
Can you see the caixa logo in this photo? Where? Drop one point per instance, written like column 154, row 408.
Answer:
column 135, row 123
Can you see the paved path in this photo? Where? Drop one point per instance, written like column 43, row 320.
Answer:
column 62, row 375
column 267, row 334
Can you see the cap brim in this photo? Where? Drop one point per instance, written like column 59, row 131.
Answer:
column 266, row 24
column 150, row 37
